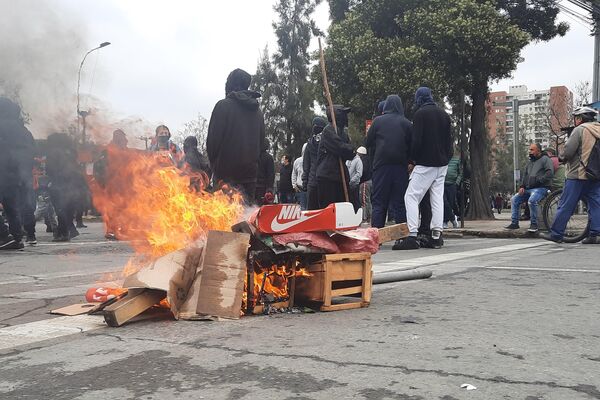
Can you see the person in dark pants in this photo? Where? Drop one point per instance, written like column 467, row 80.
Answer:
column 332, row 148
column 309, row 163
column 265, row 179
column 388, row 142
column 236, row 135
column 451, row 183
column 66, row 184
column 286, row 190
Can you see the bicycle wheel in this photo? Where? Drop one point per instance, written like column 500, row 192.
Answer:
column 577, row 226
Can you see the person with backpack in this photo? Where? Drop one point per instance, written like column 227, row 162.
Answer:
column 582, row 155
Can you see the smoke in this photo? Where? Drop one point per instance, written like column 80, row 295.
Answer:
column 40, row 51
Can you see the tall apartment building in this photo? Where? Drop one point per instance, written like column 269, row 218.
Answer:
column 539, row 122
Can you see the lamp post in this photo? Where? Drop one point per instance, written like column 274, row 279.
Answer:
column 80, row 113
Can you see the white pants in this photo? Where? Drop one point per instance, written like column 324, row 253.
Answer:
column 423, row 179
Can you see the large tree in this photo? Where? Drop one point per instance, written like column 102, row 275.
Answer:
column 294, row 29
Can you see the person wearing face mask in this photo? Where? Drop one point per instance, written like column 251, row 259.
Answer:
column 534, row 186
column 309, row 163
column 286, row 190
column 162, row 144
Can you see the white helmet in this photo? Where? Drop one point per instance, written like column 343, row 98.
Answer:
column 587, row 113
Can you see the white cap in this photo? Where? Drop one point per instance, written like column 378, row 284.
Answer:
column 361, row 150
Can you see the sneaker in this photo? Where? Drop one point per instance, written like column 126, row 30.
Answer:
column 445, row 225
column 73, row 233
column 31, row 239
column 437, row 243
column 512, row 225
column 548, row 236
column 410, row 243
column 591, row 240
column 425, row 241
column 532, row 228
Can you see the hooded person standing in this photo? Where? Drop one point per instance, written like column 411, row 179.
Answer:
column 388, row 142
column 298, row 186
column 309, row 163
column 16, row 173
column 236, row 135
column 265, row 178
column 431, row 150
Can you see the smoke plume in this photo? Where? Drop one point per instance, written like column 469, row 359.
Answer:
column 40, row 51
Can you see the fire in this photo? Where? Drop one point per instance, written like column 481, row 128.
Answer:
column 151, row 204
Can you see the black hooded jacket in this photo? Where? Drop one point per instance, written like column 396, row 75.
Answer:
column 266, row 169
column 17, row 148
column 236, row 133
column 331, row 149
column 389, row 137
column 432, row 133
column 309, row 158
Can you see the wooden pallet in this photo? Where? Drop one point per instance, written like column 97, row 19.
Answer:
column 334, row 277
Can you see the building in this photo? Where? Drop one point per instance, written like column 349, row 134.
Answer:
column 539, row 122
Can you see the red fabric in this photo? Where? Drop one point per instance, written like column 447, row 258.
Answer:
column 351, row 245
column 317, row 240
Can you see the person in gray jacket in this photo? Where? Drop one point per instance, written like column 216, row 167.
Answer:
column 355, row 171
column 534, row 187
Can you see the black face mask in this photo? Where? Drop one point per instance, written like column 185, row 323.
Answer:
column 163, row 141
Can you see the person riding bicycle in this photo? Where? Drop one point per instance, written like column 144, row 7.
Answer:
column 536, row 182
column 577, row 185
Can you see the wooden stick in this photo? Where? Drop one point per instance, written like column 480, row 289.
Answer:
column 332, row 113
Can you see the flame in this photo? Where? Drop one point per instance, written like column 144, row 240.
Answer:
column 150, row 203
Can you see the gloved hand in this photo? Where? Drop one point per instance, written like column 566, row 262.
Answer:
column 269, row 198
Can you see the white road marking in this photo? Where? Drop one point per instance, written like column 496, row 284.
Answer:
column 38, row 331
column 449, row 257
column 547, row 269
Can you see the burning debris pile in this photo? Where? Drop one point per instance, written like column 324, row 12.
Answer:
column 195, row 261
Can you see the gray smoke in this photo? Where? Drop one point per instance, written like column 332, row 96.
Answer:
column 41, row 46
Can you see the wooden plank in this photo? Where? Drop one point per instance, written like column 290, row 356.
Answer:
column 393, row 232
column 346, row 291
column 367, row 284
column 348, row 271
column 310, row 288
column 327, row 282
column 344, row 306
column 134, row 303
column 347, row 256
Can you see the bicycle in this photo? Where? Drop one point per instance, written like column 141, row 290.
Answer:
column 579, row 223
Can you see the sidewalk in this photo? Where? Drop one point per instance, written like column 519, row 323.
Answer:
column 491, row 228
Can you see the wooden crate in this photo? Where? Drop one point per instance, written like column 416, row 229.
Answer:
column 335, row 276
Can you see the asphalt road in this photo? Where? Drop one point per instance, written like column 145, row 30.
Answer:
column 515, row 318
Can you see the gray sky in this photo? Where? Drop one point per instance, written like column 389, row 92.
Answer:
column 169, row 59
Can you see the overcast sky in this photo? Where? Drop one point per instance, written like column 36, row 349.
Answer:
column 168, row 60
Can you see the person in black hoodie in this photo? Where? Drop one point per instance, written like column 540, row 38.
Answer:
column 309, row 163
column 236, row 135
column 195, row 164
column 286, row 190
column 431, row 150
column 388, row 142
column 332, row 147
column 265, row 179
column 16, row 171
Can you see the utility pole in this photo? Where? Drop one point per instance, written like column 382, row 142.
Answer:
column 596, row 81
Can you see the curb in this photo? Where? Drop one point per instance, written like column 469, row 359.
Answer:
column 496, row 234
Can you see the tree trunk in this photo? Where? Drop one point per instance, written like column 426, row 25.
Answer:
column 480, row 207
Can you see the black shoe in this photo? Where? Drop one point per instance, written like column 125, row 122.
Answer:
column 437, row 243
column 410, row 243
column 81, row 225
column 31, row 239
column 61, row 238
column 48, row 229
column 591, row 240
column 427, row 242
column 533, row 228
column 548, row 236
column 73, row 233
column 512, row 226
column 110, row 236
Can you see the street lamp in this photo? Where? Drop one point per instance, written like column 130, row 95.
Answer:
column 80, row 113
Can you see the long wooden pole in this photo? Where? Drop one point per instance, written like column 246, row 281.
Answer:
column 332, row 113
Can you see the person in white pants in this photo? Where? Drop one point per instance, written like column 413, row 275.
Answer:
column 431, row 150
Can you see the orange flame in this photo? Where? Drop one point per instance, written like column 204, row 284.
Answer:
column 151, row 204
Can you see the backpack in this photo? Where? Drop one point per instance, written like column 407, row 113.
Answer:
column 592, row 169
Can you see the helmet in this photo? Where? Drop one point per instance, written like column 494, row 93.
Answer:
column 587, row 113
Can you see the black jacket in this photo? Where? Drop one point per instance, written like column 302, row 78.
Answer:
column 538, row 173
column 432, row 137
column 389, row 137
column 236, row 134
column 17, row 148
column 285, row 178
column 309, row 162
column 197, row 162
column 266, row 171
column 367, row 171
column 331, row 149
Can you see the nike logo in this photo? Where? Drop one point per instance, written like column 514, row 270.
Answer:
column 277, row 227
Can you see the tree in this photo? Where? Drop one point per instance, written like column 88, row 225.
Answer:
column 198, row 128
column 294, row 30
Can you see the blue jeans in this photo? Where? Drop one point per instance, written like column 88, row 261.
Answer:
column 573, row 191
column 302, row 199
column 532, row 197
